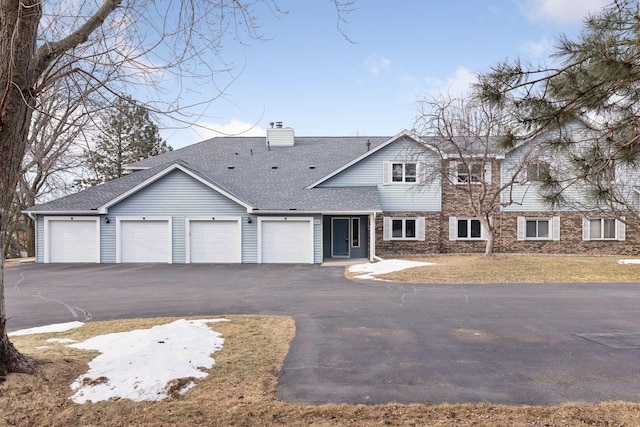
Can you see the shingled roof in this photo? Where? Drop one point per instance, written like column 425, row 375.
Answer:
column 263, row 178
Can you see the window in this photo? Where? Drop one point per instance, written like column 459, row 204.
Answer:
column 403, row 172
column 355, row 232
column 468, row 172
column 403, row 228
column 603, row 229
column 538, row 228
column 469, row 229
column 537, row 172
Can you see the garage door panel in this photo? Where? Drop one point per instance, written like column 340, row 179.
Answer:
column 74, row 240
column 286, row 242
column 214, row 241
column 145, row 241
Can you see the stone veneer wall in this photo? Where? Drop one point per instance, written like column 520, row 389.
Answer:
column 455, row 203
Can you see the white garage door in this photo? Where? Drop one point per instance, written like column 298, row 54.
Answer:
column 74, row 240
column 286, row 242
column 145, row 240
column 214, row 241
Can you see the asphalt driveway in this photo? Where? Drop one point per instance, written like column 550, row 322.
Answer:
column 376, row 342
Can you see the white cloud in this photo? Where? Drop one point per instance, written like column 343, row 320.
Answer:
column 375, row 64
column 232, row 128
column 562, row 11
column 459, row 85
column 538, row 49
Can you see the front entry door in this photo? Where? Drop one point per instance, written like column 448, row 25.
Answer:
column 340, row 237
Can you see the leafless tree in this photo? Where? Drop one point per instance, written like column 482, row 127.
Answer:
column 468, row 134
column 110, row 44
column 61, row 121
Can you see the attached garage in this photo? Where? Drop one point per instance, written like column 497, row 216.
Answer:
column 285, row 240
column 143, row 240
column 72, row 239
column 214, row 240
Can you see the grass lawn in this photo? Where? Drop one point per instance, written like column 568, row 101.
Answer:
column 517, row 269
column 240, row 390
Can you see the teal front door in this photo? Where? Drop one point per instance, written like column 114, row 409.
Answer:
column 340, row 237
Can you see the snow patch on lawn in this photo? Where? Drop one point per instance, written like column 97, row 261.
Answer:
column 142, row 365
column 57, row 327
column 370, row 270
column 629, row 261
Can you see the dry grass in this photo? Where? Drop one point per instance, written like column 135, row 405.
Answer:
column 517, row 269
column 240, row 391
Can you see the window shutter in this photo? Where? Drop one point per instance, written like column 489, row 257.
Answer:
column 586, row 229
column 420, row 228
column 522, row 228
column 386, row 228
column 420, row 171
column 484, row 234
column 556, row 227
column 622, row 229
column 487, row 173
column 453, row 228
column 386, row 173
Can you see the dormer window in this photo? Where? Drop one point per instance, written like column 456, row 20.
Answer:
column 404, row 172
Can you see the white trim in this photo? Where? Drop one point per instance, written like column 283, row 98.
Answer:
column 403, row 134
column 289, row 219
column 47, row 240
column 290, row 212
column 554, row 228
column 372, row 236
column 620, row 229
column 105, row 207
column 388, row 228
column 453, row 229
column 187, row 224
column 120, row 219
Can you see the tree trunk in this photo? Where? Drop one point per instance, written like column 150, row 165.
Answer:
column 19, row 21
column 31, row 236
column 491, row 239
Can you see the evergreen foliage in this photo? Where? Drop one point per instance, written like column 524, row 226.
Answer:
column 127, row 136
column 596, row 84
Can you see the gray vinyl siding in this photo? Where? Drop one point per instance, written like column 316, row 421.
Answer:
column 396, row 196
column 355, row 252
column 250, row 241
column 176, row 195
column 317, row 239
column 40, row 238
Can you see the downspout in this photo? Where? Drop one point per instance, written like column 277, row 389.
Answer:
column 372, row 237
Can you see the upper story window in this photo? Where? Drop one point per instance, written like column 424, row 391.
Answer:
column 470, row 172
column 537, row 172
column 399, row 172
column 403, row 172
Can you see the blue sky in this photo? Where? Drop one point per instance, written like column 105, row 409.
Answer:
column 310, row 78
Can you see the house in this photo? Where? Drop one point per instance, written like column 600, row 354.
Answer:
column 290, row 199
